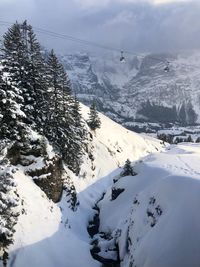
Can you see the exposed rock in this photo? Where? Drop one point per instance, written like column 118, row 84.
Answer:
column 13, row 153
column 46, row 173
column 52, row 183
column 116, row 192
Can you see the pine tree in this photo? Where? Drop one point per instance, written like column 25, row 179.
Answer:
column 13, row 50
column 94, row 120
column 177, row 140
column 35, row 104
column 64, row 124
column 198, row 139
column 128, row 169
column 169, row 138
column 38, row 93
column 189, row 139
column 76, row 113
column 26, row 68
column 8, row 203
column 57, row 117
column 79, row 136
column 11, row 115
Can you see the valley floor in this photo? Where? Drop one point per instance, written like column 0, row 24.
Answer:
column 50, row 235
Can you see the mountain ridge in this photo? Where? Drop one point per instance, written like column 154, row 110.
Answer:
column 121, row 90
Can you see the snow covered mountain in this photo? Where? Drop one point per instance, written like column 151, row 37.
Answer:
column 146, row 220
column 49, row 234
column 139, row 90
column 153, row 220
column 78, row 189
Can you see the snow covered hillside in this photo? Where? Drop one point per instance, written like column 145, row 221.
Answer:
column 122, row 90
column 49, row 234
column 146, row 220
column 76, row 188
column 154, row 219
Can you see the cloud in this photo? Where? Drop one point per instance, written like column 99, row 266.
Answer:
column 158, row 2
column 103, row 3
column 92, row 3
column 135, row 25
column 124, row 17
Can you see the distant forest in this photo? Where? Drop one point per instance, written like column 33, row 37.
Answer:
column 184, row 114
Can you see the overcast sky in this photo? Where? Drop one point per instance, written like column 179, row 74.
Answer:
column 135, row 25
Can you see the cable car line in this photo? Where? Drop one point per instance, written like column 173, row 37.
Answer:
column 85, row 42
column 89, row 43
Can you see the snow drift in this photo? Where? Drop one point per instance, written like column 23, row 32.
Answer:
column 155, row 220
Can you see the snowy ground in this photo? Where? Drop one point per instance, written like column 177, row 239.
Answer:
column 158, row 211
column 51, row 235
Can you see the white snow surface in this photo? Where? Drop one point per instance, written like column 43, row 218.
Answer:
column 112, row 145
column 51, row 235
column 172, row 178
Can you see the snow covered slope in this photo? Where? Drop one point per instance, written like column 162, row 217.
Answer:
column 110, row 146
column 121, row 89
column 155, row 220
column 51, row 235
column 152, row 221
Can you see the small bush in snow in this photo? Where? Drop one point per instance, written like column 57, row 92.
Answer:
column 198, row 140
column 128, row 169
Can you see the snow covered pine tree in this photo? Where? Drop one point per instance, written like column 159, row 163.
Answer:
column 42, row 94
column 23, row 61
column 8, row 211
column 11, row 116
column 64, row 126
column 128, row 169
column 94, row 120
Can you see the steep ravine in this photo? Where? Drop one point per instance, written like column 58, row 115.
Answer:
column 50, row 240
column 98, row 236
